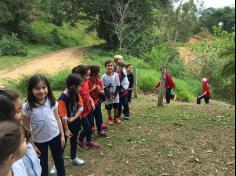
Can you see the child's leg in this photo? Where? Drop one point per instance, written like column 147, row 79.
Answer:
column 57, row 155
column 119, row 108
column 206, row 99
column 98, row 117
column 168, row 95
column 109, row 108
column 43, row 148
column 126, row 106
column 74, row 128
column 116, row 110
column 87, row 130
column 199, row 100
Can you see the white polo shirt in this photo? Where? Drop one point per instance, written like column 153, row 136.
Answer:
column 18, row 168
column 43, row 121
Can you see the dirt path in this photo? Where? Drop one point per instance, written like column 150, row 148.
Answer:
column 49, row 63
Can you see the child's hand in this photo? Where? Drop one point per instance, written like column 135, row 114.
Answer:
column 93, row 106
column 62, row 142
column 72, row 119
column 94, row 87
column 68, row 133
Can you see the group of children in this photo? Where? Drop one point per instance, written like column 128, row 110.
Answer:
column 29, row 129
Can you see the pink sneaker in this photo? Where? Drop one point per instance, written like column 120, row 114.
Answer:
column 117, row 120
column 93, row 145
column 102, row 134
column 104, row 126
column 82, row 145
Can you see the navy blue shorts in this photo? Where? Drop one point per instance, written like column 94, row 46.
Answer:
column 111, row 106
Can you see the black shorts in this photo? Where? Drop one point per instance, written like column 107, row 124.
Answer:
column 110, row 106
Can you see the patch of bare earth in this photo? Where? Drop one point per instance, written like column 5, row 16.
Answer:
column 49, row 63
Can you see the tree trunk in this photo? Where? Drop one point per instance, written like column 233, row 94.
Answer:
column 162, row 87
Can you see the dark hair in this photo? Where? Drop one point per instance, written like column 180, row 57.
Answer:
column 128, row 65
column 94, row 70
column 109, row 62
column 33, row 81
column 73, row 80
column 10, row 139
column 7, row 108
column 12, row 95
column 120, row 64
column 81, row 70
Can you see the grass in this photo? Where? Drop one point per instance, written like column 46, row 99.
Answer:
column 176, row 140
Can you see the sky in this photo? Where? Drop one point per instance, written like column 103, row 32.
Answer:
column 216, row 3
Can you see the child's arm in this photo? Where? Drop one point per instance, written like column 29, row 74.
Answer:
column 92, row 103
column 60, row 127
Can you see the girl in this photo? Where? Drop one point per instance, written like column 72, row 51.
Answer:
column 12, row 148
column 70, row 109
column 41, row 108
column 96, row 89
column 30, row 160
column 206, row 91
column 87, row 113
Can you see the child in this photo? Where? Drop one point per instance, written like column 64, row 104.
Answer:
column 130, row 75
column 96, row 89
column 169, row 85
column 70, row 109
column 111, row 85
column 87, row 113
column 12, row 148
column 30, row 160
column 206, row 91
column 119, row 59
column 42, row 110
column 123, row 93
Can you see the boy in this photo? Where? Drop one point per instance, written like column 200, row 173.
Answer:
column 130, row 75
column 111, row 85
column 169, row 85
column 96, row 89
column 123, row 93
column 206, row 91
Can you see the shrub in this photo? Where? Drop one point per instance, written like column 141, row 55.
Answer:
column 10, row 45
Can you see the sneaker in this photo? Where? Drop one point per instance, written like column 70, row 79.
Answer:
column 104, row 126
column 53, row 171
column 78, row 162
column 126, row 118
column 82, row 145
column 117, row 120
column 110, row 122
column 102, row 134
column 93, row 145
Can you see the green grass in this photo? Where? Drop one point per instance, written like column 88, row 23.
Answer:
column 8, row 62
column 179, row 139
column 147, row 74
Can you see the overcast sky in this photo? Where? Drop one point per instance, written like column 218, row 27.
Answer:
column 216, row 3
column 219, row 3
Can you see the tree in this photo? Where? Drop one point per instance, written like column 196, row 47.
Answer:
column 212, row 17
column 13, row 13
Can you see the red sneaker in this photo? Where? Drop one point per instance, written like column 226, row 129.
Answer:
column 110, row 122
column 82, row 145
column 117, row 120
column 102, row 134
column 93, row 145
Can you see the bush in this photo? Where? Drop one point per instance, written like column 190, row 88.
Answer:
column 10, row 45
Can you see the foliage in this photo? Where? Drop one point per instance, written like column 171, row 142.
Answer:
column 216, row 59
column 10, row 45
column 212, row 17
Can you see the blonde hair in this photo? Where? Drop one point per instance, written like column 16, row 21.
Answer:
column 118, row 57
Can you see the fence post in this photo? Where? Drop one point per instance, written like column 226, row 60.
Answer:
column 135, row 83
column 162, row 87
